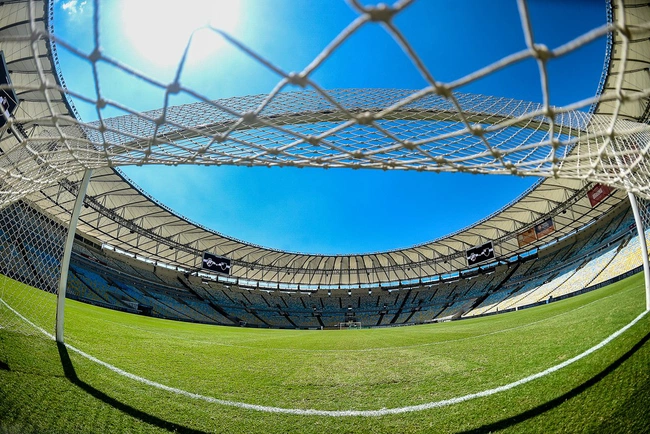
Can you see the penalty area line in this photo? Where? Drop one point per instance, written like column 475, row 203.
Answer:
column 343, row 413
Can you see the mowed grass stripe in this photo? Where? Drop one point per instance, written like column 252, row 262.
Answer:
column 368, row 413
column 35, row 393
column 407, row 376
column 255, row 342
column 44, row 400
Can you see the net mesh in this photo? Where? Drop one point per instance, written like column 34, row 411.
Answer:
column 435, row 128
column 31, row 246
column 644, row 211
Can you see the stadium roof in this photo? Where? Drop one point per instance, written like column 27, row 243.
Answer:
column 118, row 214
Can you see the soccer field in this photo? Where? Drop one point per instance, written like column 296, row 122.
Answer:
column 158, row 375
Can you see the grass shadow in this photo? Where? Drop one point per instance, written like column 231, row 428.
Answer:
column 540, row 409
column 71, row 375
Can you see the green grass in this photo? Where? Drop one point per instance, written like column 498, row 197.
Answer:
column 45, row 389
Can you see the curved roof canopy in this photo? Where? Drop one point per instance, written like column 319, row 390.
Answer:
column 44, row 151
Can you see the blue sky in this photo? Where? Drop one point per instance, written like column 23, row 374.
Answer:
column 311, row 210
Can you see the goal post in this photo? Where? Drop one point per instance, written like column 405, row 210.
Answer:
column 349, row 325
column 642, row 220
column 31, row 251
column 67, row 252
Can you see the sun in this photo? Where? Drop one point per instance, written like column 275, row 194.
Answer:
column 160, row 33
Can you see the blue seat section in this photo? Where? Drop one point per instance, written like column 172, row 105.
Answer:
column 79, row 290
column 31, row 248
column 598, row 255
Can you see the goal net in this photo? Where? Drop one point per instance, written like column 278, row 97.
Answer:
column 31, row 249
column 435, row 128
column 349, row 325
column 643, row 229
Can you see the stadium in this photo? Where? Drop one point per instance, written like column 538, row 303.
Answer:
column 120, row 314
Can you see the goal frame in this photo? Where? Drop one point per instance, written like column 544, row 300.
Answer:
column 350, row 325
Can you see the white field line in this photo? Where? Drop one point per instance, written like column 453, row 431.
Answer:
column 343, row 413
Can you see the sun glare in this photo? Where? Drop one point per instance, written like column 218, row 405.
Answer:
column 160, row 34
